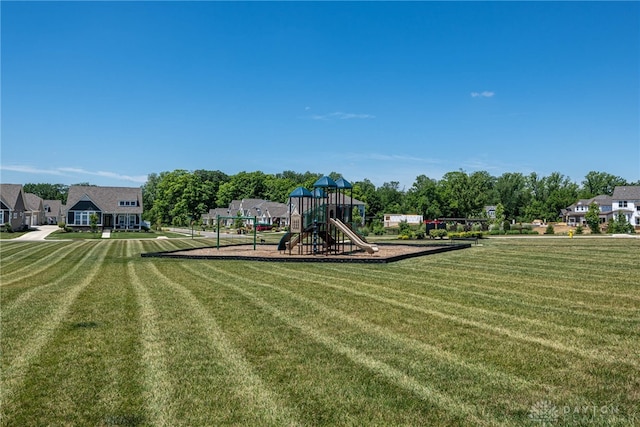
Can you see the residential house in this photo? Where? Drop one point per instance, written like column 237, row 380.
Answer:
column 12, row 206
column 34, row 213
column 490, row 211
column 626, row 201
column 574, row 215
column 118, row 208
column 265, row 211
column 53, row 211
column 394, row 220
column 211, row 217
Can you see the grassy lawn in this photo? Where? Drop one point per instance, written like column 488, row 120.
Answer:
column 59, row 234
column 144, row 235
column 510, row 332
column 7, row 236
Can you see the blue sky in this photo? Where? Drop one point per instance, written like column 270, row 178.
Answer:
column 108, row 92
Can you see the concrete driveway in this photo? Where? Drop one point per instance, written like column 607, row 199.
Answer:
column 38, row 233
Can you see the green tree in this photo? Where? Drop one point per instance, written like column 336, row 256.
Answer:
column 93, row 222
column 242, row 185
column 597, row 183
column 391, row 197
column 48, row 191
column 511, row 189
column 592, row 217
column 619, row 225
column 365, row 191
column 423, row 198
column 463, row 195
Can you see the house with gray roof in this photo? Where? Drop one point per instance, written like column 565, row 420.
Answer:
column 53, row 211
column 265, row 211
column 13, row 206
column 118, row 208
column 626, row 201
column 574, row 215
column 34, row 210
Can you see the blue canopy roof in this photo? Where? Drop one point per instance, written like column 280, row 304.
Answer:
column 343, row 183
column 325, row 182
column 319, row 193
column 301, row 192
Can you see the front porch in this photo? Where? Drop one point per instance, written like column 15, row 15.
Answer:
column 121, row 222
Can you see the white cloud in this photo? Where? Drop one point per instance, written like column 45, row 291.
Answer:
column 341, row 116
column 30, row 169
column 71, row 171
column 485, row 94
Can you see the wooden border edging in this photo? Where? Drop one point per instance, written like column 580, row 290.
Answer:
column 429, row 250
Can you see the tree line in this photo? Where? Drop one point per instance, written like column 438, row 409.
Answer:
column 180, row 196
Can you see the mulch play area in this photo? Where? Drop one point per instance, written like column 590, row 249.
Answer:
column 267, row 252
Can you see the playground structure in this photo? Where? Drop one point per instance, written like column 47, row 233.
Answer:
column 321, row 222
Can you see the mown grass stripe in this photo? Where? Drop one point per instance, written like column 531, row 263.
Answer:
column 498, row 293
column 158, row 386
column 595, row 354
column 247, row 383
column 28, row 251
column 25, row 296
column 493, row 375
column 394, row 375
column 11, row 247
column 465, row 270
column 470, row 310
column 432, row 282
column 31, row 270
column 14, row 370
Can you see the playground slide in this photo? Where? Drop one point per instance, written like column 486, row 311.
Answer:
column 353, row 236
column 294, row 241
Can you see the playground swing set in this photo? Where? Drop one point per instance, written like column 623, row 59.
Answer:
column 240, row 237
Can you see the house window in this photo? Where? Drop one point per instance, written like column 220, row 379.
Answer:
column 1, row 217
column 128, row 203
column 15, row 215
column 82, row 217
column 622, row 204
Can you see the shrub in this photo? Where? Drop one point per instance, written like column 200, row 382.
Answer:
column 438, row 233
column 8, row 228
column 549, row 229
column 419, row 234
column 378, row 230
column 459, row 228
column 506, row 226
column 579, row 229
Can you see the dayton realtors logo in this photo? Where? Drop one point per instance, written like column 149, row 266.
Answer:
column 546, row 413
